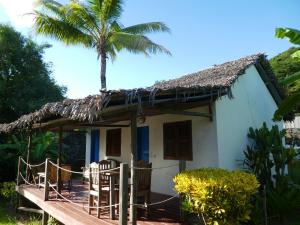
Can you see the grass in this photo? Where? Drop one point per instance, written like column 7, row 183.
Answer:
column 7, row 219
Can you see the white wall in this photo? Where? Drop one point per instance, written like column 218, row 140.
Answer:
column 294, row 124
column 252, row 105
column 204, row 147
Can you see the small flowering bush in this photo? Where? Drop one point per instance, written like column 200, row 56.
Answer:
column 219, row 196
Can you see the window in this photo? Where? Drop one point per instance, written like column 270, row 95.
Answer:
column 113, row 142
column 178, row 140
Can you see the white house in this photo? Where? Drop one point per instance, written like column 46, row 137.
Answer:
column 212, row 129
column 197, row 120
column 200, row 119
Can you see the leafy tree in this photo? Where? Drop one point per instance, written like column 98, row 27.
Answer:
column 25, row 85
column 284, row 65
column 95, row 24
column 292, row 101
column 25, row 79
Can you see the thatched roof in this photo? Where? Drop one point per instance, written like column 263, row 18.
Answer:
column 215, row 81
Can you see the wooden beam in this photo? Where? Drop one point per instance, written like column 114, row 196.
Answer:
column 123, row 194
column 102, row 125
column 133, row 159
column 46, row 190
column 274, row 92
column 29, row 145
column 31, row 210
column 45, row 218
column 186, row 113
column 60, row 143
column 19, row 169
column 52, row 123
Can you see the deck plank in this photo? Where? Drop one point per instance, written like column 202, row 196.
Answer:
column 70, row 214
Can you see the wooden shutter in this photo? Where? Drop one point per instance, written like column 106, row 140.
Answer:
column 113, row 142
column 178, row 140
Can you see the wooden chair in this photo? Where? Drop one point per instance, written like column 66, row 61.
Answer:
column 98, row 185
column 143, row 177
column 66, row 177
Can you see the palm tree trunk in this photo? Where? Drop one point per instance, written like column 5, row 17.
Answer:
column 103, row 71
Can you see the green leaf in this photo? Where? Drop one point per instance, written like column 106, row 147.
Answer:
column 287, row 106
column 145, row 28
column 291, row 79
column 292, row 35
column 296, row 54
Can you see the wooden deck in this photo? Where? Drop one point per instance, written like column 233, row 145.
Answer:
column 71, row 214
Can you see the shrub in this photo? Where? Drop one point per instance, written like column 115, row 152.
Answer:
column 219, row 196
column 8, row 192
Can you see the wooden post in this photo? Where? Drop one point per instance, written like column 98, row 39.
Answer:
column 19, row 169
column 28, row 154
column 112, row 193
column 123, row 194
column 58, row 183
column 46, row 190
column 45, row 218
column 133, row 185
column 182, row 167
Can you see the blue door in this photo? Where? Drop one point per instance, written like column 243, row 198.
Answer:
column 95, row 142
column 143, row 143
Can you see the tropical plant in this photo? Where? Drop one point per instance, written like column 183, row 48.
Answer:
column 268, row 159
column 95, row 24
column 218, row 196
column 268, row 153
column 44, row 145
column 291, row 102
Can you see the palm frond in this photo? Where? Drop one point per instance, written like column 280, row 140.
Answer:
column 291, row 79
column 111, row 10
column 95, row 6
column 53, row 7
column 80, row 17
column 145, row 28
column 293, row 35
column 287, row 106
column 136, row 43
column 61, row 30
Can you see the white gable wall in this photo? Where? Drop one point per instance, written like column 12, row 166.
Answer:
column 217, row 143
column 252, row 105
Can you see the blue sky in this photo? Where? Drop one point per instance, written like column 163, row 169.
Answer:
column 204, row 33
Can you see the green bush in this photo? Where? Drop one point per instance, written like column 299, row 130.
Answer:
column 218, row 196
column 8, row 192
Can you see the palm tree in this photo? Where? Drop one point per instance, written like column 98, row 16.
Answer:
column 291, row 102
column 95, row 24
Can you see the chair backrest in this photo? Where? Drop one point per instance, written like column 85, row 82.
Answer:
column 104, row 165
column 66, row 175
column 52, row 173
column 143, row 176
column 94, row 174
column 114, row 162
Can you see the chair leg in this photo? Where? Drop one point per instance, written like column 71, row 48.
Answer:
column 98, row 206
column 147, row 200
column 90, row 203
